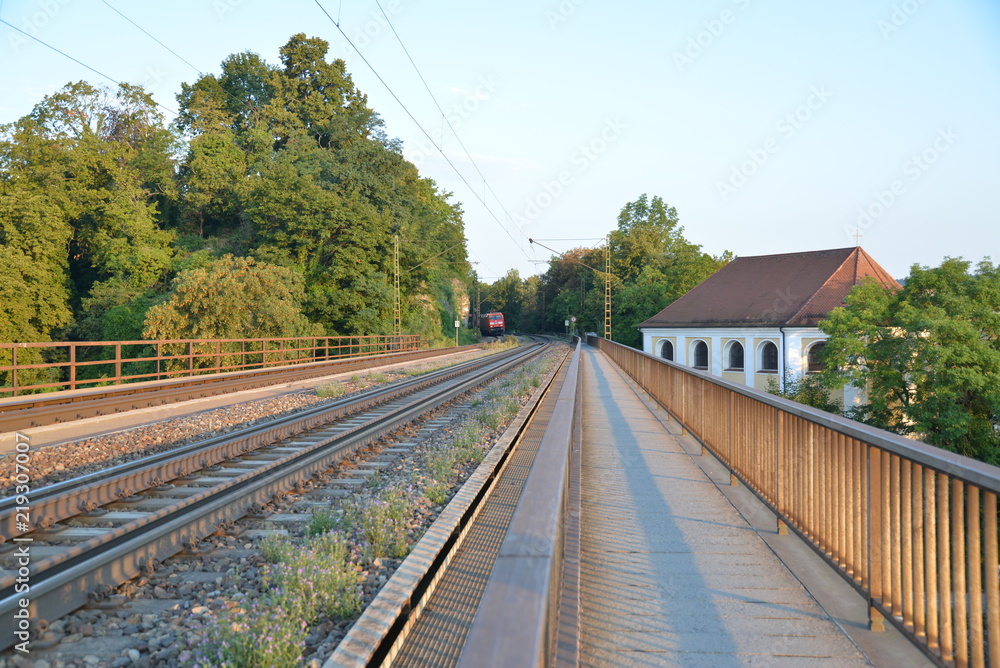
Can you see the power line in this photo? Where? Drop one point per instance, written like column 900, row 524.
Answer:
column 426, row 134
column 77, row 61
column 444, row 116
column 239, row 100
column 151, row 37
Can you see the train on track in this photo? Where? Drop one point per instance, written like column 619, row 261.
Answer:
column 492, row 324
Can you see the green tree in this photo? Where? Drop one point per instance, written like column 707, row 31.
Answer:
column 929, row 355
column 232, row 298
column 104, row 163
column 293, row 168
column 34, row 282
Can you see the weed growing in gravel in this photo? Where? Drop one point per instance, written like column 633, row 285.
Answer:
column 377, row 378
column 330, row 390
column 376, row 481
column 316, row 580
column 356, row 378
column 260, row 634
column 420, row 371
column 490, row 417
column 274, row 548
column 436, row 492
column 469, row 436
column 441, row 462
column 384, row 523
column 321, row 521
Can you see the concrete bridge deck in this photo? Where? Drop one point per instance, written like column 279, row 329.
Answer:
column 680, row 569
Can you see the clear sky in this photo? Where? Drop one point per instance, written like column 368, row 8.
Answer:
column 770, row 126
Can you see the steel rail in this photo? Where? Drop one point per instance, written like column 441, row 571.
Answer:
column 67, row 498
column 63, row 582
column 37, row 410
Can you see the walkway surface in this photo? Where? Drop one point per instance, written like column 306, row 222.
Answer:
column 672, row 574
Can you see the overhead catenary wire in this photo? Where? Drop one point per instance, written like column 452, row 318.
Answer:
column 145, row 32
column 77, row 61
column 174, row 53
column 444, row 116
column 461, row 176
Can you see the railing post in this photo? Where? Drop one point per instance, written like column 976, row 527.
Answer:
column 118, row 363
column 778, row 420
column 13, row 369
column 991, row 566
column 72, row 366
column 875, row 620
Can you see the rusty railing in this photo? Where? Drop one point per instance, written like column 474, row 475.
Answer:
column 27, row 368
column 911, row 526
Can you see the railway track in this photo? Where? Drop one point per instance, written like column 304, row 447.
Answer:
column 37, row 410
column 90, row 534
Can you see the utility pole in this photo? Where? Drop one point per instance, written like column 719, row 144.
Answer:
column 397, row 309
column 607, row 287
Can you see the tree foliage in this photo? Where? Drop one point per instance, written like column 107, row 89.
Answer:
column 102, row 204
column 232, row 298
column 102, row 164
column 929, row 355
column 291, row 163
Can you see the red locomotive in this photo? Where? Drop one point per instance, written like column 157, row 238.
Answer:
column 492, row 324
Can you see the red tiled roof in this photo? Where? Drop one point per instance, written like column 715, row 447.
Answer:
column 790, row 289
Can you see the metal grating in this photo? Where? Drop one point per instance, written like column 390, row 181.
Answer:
column 438, row 636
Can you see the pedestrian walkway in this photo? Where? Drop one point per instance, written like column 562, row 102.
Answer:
column 672, row 574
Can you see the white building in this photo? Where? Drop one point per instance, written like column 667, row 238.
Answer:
column 757, row 317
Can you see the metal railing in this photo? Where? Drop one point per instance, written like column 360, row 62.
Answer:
column 911, row 526
column 27, row 368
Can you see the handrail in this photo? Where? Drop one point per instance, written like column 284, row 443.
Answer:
column 57, row 365
column 515, row 624
column 910, row 526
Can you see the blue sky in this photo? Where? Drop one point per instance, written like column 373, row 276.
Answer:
column 771, row 127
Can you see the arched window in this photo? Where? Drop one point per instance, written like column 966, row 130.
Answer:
column 734, row 356
column 667, row 351
column 700, row 355
column 815, row 359
column 769, row 357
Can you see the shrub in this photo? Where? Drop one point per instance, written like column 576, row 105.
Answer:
column 330, row 390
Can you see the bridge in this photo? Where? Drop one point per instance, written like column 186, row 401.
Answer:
column 660, row 516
